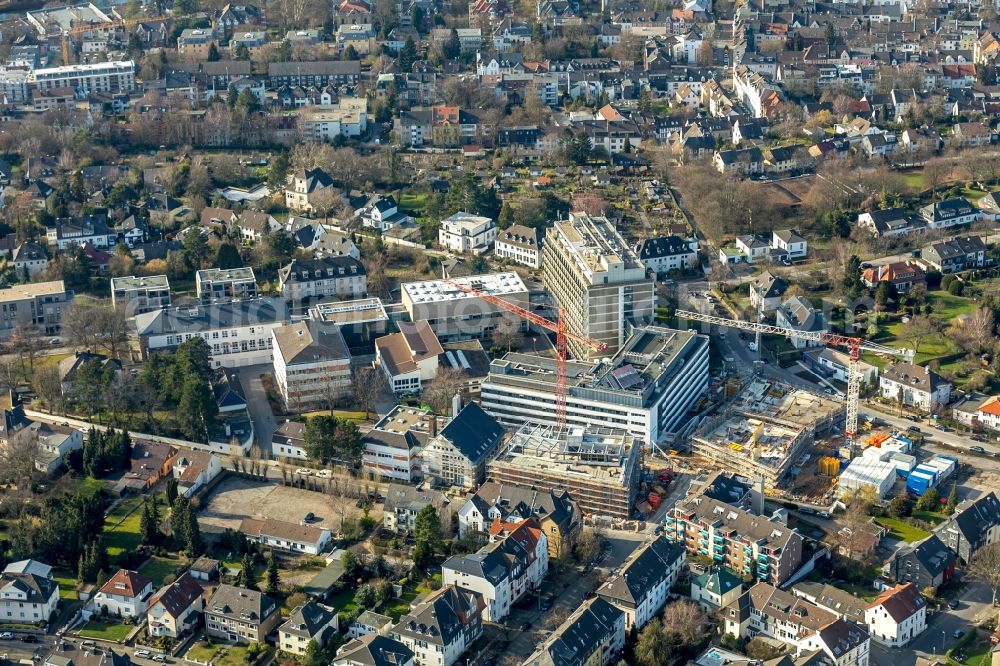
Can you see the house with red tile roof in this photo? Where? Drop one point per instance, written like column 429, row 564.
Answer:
column 897, row 616
column 127, row 593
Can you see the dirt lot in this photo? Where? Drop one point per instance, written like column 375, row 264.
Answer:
column 237, row 498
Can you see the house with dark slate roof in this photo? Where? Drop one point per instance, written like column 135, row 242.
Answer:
column 458, row 455
column 373, row 650
column 642, row 585
column 974, row 525
column 240, row 615
column 175, row 609
column 441, row 628
column 928, row 563
column 27, row 593
column 594, row 635
column 309, row 622
column 668, row 253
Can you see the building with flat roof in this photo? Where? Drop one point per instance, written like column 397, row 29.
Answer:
column 598, row 467
column 465, row 232
column 115, row 76
column 38, row 305
column 361, row 321
column 214, row 284
column 598, row 280
column 457, row 315
column 646, row 388
column 393, row 445
column 140, row 294
column 766, row 430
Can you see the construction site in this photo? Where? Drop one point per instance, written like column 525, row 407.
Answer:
column 767, row 431
column 599, row 467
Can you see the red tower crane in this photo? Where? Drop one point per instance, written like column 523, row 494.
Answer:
column 558, row 327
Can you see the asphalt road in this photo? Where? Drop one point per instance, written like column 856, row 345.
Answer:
column 952, row 439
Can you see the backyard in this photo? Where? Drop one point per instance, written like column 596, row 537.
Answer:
column 121, row 527
column 902, row 531
column 160, row 568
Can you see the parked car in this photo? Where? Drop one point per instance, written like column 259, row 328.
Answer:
column 957, row 633
column 324, row 474
column 913, row 429
column 302, row 471
column 524, row 626
column 29, row 638
column 6, row 636
column 977, row 449
column 146, row 654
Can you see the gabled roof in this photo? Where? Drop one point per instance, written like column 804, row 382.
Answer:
column 311, row 621
column 931, row 554
column 975, row 519
column 178, row 596
column 126, row 583
column 664, row 246
column 900, row 602
column 374, row 650
column 441, row 618
column 473, row 432
column 840, row 637
column 310, row 342
column 643, row 572
column 583, row 632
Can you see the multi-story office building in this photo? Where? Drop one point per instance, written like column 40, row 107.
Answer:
column 238, row 333
column 598, row 467
column 140, row 294
column 115, row 76
column 312, row 365
column 458, row 315
column 38, row 305
column 647, row 388
column 597, row 280
column 214, row 284
column 750, row 545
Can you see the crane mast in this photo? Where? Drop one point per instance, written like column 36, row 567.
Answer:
column 853, row 345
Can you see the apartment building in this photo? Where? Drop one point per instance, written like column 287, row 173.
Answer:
column 974, row 525
column 897, row 615
column 519, row 244
column 238, row 333
column 642, row 585
column 441, row 628
column 914, row 386
column 176, row 608
column 598, row 467
column 196, row 43
column 348, row 118
column 454, row 314
column 27, row 593
column 594, row 635
column 598, row 280
column 465, row 232
column 343, row 277
column 393, row 444
column 755, row 546
column 140, row 294
column 38, row 305
column 239, row 615
column 504, row 570
column 457, row 456
column 98, row 77
column 647, row 388
column 312, row 365
column 214, row 284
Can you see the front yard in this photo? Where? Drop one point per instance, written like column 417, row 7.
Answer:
column 108, row 631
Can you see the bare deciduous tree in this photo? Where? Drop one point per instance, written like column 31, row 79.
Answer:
column 918, row 329
column 438, row 392
column 984, row 566
column 686, row 619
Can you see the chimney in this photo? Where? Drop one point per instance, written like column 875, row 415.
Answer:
column 434, row 425
column 456, row 405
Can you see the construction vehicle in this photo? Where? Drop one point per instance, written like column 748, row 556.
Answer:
column 854, row 345
column 558, row 327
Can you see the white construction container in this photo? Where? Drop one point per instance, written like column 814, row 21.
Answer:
column 867, row 472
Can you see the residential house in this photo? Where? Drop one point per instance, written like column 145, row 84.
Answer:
column 214, row 284
column 312, row 365
column 519, row 244
column 150, row 461
column 915, row 387
column 252, row 224
column 890, row 222
column 844, row 643
column 897, row 615
column 69, row 367
column 127, row 594
column 465, row 232
column 382, row 213
column 791, row 243
column 836, row 364
column 668, row 253
column 288, row 441
column 902, row 275
column 502, row 571
column 370, row 622
column 948, row 213
column 91, row 229
column 798, row 314
column 558, row 515
column 238, row 615
column 927, row 563
column 716, row 588
column 743, row 162
column 441, row 628
column 594, row 635
column 642, row 585
column 176, row 608
column 194, row 469
column 373, row 650
column 52, row 443
column 140, row 294
column 304, row 188
column 955, row 255
column 767, row 291
column 408, row 358
column 988, row 413
column 289, row 537
column 29, row 259
column 754, row 247
column 28, row 594
column 220, row 219
column 458, row 455
column 974, row 525
column 403, row 503
column 306, row 623
column 344, row 277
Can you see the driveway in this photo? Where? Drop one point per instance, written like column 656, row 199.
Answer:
column 264, row 422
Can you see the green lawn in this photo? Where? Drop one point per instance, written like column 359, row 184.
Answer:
column 948, row 307
column 902, row 531
column 123, row 537
column 158, row 568
column 108, row 631
column 235, row 655
column 344, row 602
column 930, row 348
column 202, row 652
column 932, row 517
column 67, row 587
column 914, row 179
column 977, row 654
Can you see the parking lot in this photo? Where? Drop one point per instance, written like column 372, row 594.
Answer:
column 237, row 498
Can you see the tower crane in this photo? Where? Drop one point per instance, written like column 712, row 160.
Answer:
column 558, row 327
column 854, row 346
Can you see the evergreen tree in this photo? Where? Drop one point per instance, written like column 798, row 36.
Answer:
column 179, row 519
column 427, row 535
column 248, row 576
column 192, row 541
column 228, row 257
column 453, row 47
column 273, row 580
column 171, row 491
column 407, row 55
column 147, row 525
column 952, row 499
